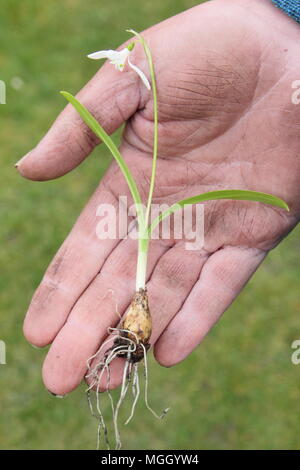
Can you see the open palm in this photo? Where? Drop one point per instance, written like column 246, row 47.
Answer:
column 226, row 121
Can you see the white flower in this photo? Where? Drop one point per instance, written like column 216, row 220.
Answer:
column 118, row 59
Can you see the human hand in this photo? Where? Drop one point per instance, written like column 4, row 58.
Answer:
column 226, row 121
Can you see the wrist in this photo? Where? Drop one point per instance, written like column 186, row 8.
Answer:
column 290, row 7
column 267, row 11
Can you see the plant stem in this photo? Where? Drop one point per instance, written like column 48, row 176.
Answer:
column 155, row 130
column 141, row 269
column 143, row 232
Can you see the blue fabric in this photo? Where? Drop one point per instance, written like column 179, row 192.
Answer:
column 291, row 7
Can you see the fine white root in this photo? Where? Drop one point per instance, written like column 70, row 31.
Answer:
column 146, row 389
column 97, row 373
column 108, row 392
column 102, row 367
column 130, row 377
column 127, row 372
column 99, row 417
column 124, row 389
column 135, row 392
column 121, row 330
column 90, row 359
column 101, row 423
column 112, row 292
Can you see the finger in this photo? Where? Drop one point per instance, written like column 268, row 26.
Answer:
column 222, row 278
column 111, row 96
column 173, row 277
column 86, row 328
column 73, row 268
column 172, row 280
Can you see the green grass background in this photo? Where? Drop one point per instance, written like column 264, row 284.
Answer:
column 239, row 389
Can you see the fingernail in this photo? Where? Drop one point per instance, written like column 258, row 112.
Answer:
column 35, row 347
column 21, row 160
column 57, row 396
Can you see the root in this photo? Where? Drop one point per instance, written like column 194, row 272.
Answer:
column 126, row 344
column 88, row 362
column 124, row 389
column 112, row 292
column 135, row 392
column 101, row 422
column 146, row 389
column 102, row 367
column 96, row 373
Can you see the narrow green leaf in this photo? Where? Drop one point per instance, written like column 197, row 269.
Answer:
column 234, row 194
column 106, row 139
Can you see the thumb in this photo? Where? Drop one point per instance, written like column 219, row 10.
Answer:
column 111, row 96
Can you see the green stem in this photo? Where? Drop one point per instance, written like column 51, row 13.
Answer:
column 155, row 119
column 141, row 269
column 143, row 234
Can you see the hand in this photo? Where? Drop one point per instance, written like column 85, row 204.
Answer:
column 226, row 121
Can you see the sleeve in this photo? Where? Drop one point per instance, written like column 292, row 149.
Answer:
column 290, row 7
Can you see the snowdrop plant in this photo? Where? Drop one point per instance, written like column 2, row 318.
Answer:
column 119, row 58
column 131, row 339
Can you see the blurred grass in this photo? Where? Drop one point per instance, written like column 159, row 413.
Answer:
column 239, row 389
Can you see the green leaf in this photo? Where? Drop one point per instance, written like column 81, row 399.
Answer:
column 106, row 139
column 234, row 194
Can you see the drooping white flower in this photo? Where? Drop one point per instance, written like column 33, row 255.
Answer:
column 118, row 59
